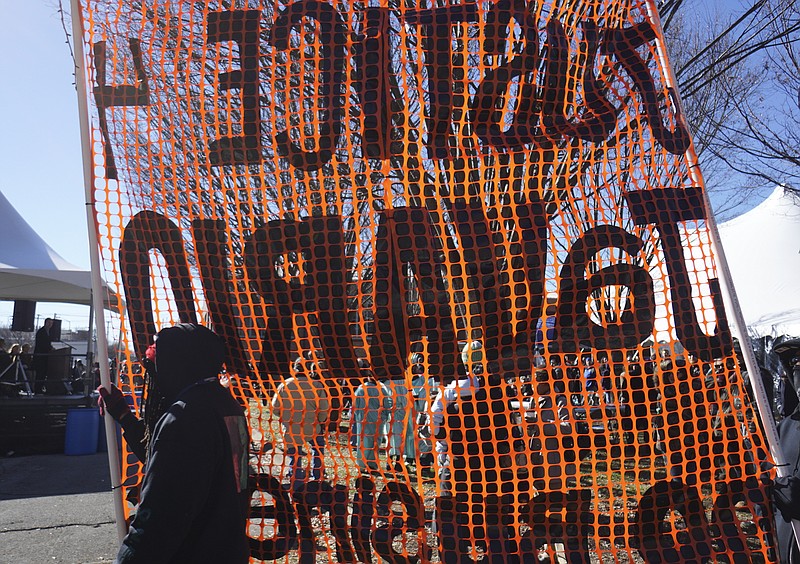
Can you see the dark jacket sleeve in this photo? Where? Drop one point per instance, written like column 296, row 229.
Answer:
column 786, row 494
column 786, row 490
column 180, row 467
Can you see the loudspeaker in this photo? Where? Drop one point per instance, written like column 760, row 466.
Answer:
column 55, row 330
column 24, row 316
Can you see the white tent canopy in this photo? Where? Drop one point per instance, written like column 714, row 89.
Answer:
column 762, row 248
column 31, row 270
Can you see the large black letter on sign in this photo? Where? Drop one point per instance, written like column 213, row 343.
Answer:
column 622, row 43
column 330, row 92
column 281, row 512
column 561, row 518
column 388, row 340
column 486, row 271
column 361, row 518
column 598, row 119
column 383, row 537
column 443, row 74
column 210, row 238
column 573, row 323
column 374, row 62
column 148, row 231
column 261, row 254
column 489, row 104
column 665, row 208
column 418, row 246
column 121, row 95
column 653, row 542
column 310, row 253
column 241, row 27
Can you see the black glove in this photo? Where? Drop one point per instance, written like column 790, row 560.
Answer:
column 786, row 494
column 113, row 402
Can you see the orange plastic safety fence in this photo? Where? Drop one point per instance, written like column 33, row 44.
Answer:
column 458, row 254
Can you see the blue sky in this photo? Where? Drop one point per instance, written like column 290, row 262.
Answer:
column 40, row 157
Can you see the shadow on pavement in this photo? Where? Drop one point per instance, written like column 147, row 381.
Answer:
column 24, row 477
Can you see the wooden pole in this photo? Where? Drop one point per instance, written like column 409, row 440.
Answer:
column 98, row 287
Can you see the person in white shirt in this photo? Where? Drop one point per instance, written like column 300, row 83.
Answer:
column 422, row 388
column 464, row 387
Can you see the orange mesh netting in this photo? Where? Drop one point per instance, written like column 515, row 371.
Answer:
column 457, row 243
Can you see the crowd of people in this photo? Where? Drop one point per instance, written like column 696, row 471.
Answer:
column 382, row 415
column 25, row 369
column 409, row 421
column 405, row 420
column 206, row 481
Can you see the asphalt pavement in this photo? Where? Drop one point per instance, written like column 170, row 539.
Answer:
column 56, row 508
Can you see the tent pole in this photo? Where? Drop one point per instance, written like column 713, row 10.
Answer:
column 729, row 297
column 94, row 254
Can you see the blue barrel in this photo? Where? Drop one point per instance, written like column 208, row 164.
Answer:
column 83, row 427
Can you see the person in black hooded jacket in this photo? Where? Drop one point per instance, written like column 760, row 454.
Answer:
column 194, row 502
column 786, row 491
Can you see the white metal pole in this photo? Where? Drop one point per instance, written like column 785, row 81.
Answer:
column 729, row 297
column 98, row 287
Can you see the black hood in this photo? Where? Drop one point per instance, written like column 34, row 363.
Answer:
column 185, row 354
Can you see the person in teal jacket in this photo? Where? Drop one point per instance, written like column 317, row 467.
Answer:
column 402, row 426
column 372, row 405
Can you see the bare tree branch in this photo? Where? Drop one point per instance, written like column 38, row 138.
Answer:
column 736, row 75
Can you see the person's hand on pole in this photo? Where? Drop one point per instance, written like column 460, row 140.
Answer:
column 113, row 402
